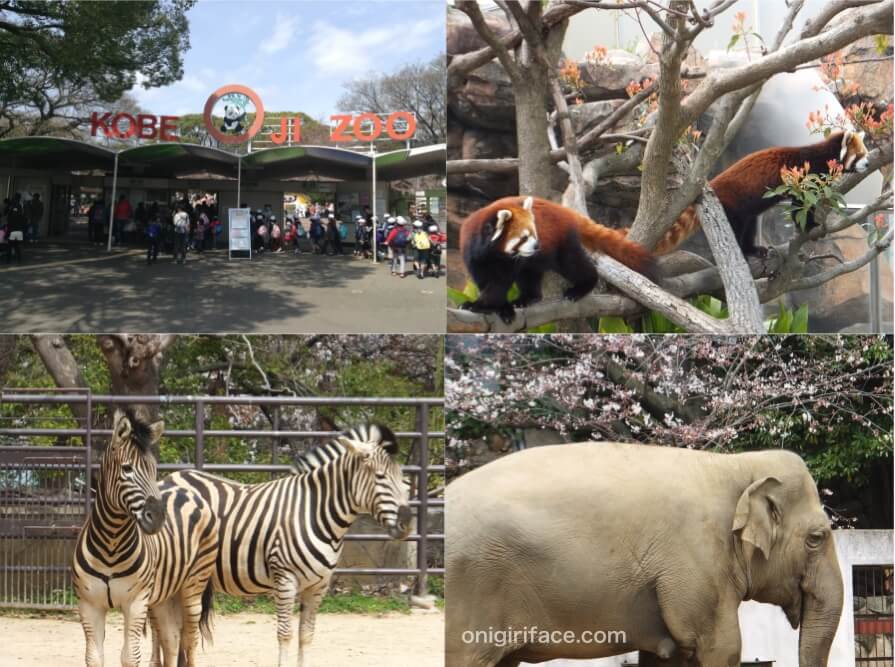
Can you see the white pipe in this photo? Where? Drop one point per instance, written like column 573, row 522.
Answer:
column 112, row 206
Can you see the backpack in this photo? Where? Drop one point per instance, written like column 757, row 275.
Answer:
column 421, row 241
column 401, row 239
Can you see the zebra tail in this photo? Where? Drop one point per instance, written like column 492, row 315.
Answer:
column 207, row 611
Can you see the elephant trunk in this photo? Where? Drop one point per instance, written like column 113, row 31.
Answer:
column 821, row 608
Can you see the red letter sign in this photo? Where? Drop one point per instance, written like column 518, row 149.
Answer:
column 100, row 123
column 167, row 128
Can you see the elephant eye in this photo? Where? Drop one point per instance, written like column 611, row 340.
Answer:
column 816, row 538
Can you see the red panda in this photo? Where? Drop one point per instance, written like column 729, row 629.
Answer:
column 741, row 187
column 518, row 239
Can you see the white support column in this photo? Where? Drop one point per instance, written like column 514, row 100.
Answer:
column 112, row 204
column 373, row 207
column 238, row 181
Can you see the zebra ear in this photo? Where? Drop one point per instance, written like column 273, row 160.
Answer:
column 362, row 449
column 121, row 426
column 157, row 429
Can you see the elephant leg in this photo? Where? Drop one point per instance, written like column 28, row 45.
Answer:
column 647, row 659
column 721, row 646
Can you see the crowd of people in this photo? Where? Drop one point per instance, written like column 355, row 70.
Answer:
column 19, row 221
column 193, row 225
column 321, row 231
column 176, row 228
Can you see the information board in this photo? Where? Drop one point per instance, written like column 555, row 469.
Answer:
column 240, row 242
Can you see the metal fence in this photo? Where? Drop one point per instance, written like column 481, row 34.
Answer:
column 45, row 490
column 872, row 589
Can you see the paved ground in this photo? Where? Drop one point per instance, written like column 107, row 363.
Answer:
column 79, row 288
column 247, row 640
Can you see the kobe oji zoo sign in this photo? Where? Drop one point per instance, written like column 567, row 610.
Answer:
column 235, row 128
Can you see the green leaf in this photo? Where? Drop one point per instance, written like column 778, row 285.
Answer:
column 549, row 328
column 800, row 320
column 614, row 325
column 458, row 297
column 619, row 148
column 802, row 218
column 657, row 323
column 513, row 294
column 471, row 290
column 733, row 41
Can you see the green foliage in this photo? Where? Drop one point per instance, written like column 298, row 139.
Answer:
column 789, row 321
column 711, row 306
column 341, row 603
column 613, row 325
column 197, row 365
column 657, row 323
column 808, row 193
column 104, row 44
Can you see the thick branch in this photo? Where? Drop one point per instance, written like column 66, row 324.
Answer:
column 739, row 289
column 467, row 62
column 877, row 19
column 472, row 10
column 846, row 267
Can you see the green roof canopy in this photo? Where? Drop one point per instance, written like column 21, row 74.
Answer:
column 174, row 160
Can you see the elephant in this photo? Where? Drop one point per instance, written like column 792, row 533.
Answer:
column 654, row 546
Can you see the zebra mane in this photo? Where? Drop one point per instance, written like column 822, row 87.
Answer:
column 322, row 454
column 141, row 433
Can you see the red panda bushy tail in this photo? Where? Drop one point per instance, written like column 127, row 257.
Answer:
column 613, row 242
column 680, row 230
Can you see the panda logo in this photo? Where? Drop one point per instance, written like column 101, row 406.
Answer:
column 234, row 115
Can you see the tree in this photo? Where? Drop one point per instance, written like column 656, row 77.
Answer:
column 829, row 398
column 150, row 364
column 418, row 88
column 59, row 59
column 678, row 98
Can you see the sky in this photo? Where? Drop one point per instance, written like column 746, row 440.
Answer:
column 296, row 55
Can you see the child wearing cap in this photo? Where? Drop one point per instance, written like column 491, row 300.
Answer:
column 421, row 246
column 397, row 241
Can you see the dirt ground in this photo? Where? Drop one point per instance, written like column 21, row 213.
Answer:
column 244, row 639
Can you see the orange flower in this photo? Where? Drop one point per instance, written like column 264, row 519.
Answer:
column 834, row 167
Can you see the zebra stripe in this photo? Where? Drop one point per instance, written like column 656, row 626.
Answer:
column 286, row 535
column 141, row 547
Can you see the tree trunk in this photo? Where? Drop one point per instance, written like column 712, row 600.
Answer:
column 63, row 368
column 535, row 165
column 134, row 366
column 7, row 355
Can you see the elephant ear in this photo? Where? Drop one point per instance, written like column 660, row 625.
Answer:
column 757, row 517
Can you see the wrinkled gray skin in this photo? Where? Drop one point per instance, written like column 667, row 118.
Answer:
column 659, row 542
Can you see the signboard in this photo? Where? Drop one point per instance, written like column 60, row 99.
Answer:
column 240, row 242
column 238, row 123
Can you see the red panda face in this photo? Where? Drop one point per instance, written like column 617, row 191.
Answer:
column 854, row 153
column 515, row 233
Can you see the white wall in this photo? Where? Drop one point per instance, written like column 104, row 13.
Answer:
column 766, row 633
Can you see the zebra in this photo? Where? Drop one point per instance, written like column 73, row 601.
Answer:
column 139, row 547
column 286, row 535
